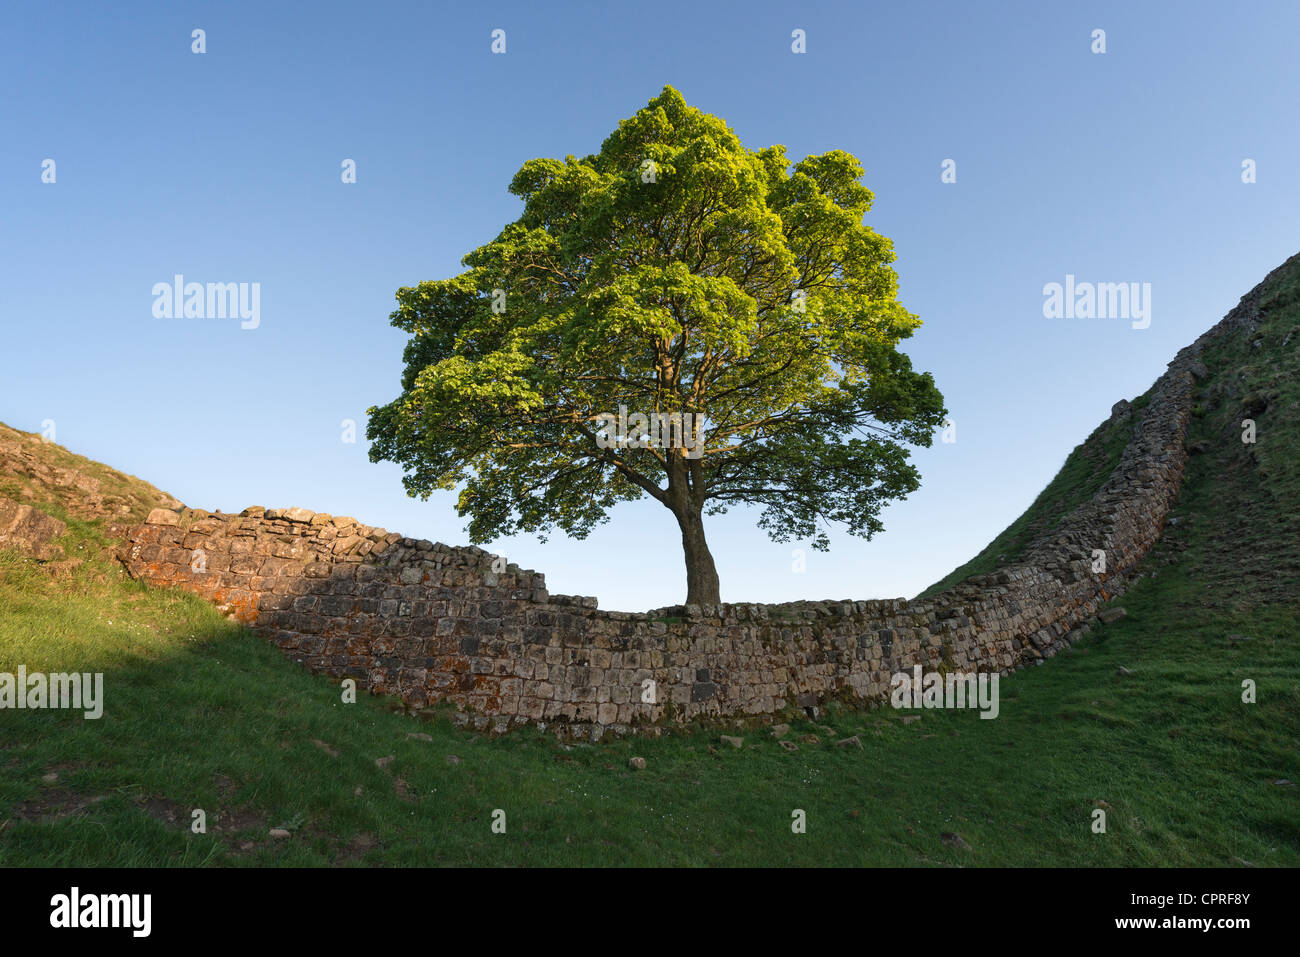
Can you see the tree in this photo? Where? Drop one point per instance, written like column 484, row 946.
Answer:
column 675, row 272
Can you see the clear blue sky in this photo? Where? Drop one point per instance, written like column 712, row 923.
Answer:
column 225, row 167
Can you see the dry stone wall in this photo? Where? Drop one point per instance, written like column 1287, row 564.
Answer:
column 434, row 623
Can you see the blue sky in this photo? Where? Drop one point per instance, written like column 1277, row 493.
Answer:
column 225, row 167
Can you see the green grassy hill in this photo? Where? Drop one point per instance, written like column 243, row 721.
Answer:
column 1143, row 718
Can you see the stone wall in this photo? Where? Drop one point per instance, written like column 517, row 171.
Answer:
column 431, row 622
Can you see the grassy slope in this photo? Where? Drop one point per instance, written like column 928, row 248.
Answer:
column 71, row 483
column 1084, row 472
column 202, row 714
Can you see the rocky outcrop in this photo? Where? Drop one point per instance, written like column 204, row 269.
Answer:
column 30, row 532
column 41, row 473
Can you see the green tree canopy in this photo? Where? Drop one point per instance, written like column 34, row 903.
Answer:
column 675, row 271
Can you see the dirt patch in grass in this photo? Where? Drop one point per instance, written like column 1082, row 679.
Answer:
column 230, row 823
column 54, row 804
column 164, row 811
column 356, row 849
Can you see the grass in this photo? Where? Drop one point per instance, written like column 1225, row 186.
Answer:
column 202, row 714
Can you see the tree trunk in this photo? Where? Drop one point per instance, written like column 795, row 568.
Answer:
column 701, row 576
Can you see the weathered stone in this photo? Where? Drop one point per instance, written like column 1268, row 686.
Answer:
column 702, row 691
column 163, row 516
column 29, row 531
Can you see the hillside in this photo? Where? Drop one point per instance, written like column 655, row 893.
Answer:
column 1083, row 473
column 40, row 473
column 1254, row 374
column 1142, row 717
